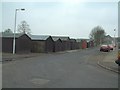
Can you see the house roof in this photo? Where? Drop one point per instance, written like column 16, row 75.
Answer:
column 39, row 37
column 108, row 37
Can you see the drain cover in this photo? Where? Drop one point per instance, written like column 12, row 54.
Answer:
column 39, row 81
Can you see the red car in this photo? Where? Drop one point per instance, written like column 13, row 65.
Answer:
column 104, row 48
column 118, row 60
column 111, row 46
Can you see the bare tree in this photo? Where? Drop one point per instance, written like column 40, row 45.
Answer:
column 23, row 27
column 97, row 34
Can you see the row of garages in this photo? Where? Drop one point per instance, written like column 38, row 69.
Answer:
column 42, row 43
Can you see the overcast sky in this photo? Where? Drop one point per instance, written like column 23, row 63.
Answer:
column 68, row 18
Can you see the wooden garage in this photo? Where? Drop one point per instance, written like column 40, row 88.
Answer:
column 81, row 43
column 84, row 43
column 23, row 43
column 73, row 44
column 57, row 44
column 90, row 43
column 66, row 43
column 0, row 42
column 42, row 43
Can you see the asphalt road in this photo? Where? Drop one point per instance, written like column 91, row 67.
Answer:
column 76, row 69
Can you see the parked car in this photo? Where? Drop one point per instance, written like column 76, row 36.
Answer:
column 118, row 60
column 104, row 48
column 111, row 46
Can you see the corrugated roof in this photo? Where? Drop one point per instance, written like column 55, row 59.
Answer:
column 78, row 40
column 55, row 38
column 63, row 38
column 73, row 40
column 39, row 37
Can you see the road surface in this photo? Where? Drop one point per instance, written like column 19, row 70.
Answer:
column 77, row 69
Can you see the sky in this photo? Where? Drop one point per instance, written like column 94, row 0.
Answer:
column 63, row 18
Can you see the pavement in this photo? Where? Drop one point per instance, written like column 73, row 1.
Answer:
column 109, row 62
column 11, row 57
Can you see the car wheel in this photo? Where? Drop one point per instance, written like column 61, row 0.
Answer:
column 116, row 61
